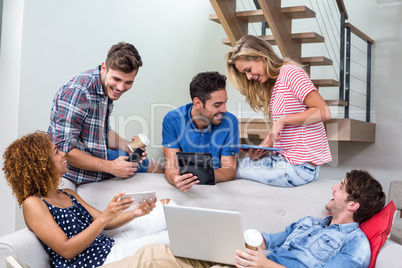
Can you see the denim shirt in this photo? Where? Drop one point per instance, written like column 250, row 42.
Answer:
column 312, row 242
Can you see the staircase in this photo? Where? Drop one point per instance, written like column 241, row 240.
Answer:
column 279, row 21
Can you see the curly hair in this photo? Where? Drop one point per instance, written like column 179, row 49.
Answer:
column 367, row 191
column 123, row 57
column 29, row 168
column 203, row 84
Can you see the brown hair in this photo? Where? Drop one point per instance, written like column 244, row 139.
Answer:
column 29, row 168
column 203, row 84
column 253, row 48
column 367, row 191
column 123, row 57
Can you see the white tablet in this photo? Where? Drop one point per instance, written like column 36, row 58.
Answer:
column 139, row 196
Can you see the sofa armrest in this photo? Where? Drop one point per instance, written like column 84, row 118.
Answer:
column 24, row 245
column 389, row 255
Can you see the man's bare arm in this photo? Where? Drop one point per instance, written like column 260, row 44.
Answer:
column 185, row 182
column 117, row 142
column 228, row 170
column 171, row 165
column 118, row 167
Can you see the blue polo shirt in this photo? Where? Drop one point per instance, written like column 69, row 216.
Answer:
column 179, row 132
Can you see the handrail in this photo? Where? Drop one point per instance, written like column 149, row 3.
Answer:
column 264, row 24
column 359, row 33
column 342, row 56
column 345, row 58
column 351, row 29
column 342, row 8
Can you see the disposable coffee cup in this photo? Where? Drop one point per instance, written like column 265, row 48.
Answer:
column 252, row 238
column 140, row 141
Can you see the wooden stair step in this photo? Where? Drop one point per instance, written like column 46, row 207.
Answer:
column 255, row 16
column 347, row 129
column 316, row 61
column 304, row 38
column 325, row 83
column 307, row 38
column 299, row 12
column 336, row 102
column 254, row 130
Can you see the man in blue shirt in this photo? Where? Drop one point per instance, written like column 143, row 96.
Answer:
column 203, row 126
column 335, row 241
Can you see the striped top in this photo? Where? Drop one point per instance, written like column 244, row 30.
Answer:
column 299, row 143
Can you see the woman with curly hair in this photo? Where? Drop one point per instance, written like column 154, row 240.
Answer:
column 280, row 89
column 68, row 228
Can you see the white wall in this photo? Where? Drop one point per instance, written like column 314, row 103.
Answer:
column 10, row 82
column 62, row 38
column 177, row 40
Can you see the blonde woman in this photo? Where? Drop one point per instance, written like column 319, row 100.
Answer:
column 280, row 89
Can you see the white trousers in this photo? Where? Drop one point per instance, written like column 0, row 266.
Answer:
column 145, row 230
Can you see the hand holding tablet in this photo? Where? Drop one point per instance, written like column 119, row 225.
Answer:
column 199, row 164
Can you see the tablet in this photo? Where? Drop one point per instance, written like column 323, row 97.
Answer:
column 248, row 146
column 199, row 164
column 139, row 196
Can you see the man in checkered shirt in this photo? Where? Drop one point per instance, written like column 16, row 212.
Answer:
column 80, row 119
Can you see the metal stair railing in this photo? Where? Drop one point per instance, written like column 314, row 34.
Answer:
column 345, row 58
column 349, row 30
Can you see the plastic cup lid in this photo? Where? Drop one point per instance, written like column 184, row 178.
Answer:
column 252, row 238
column 144, row 139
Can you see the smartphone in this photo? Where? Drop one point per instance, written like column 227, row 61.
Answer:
column 139, row 196
column 136, row 155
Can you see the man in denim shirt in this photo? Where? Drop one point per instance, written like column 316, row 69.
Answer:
column 335, row 241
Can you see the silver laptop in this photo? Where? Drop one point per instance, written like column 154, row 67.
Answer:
column 204, row 234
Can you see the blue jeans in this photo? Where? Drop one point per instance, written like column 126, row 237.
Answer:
column 113, row 154
column 276, row 171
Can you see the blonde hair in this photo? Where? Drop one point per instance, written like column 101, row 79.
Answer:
column 252, row 48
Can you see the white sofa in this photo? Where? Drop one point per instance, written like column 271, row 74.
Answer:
column 395, row 194
column 265, row 208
